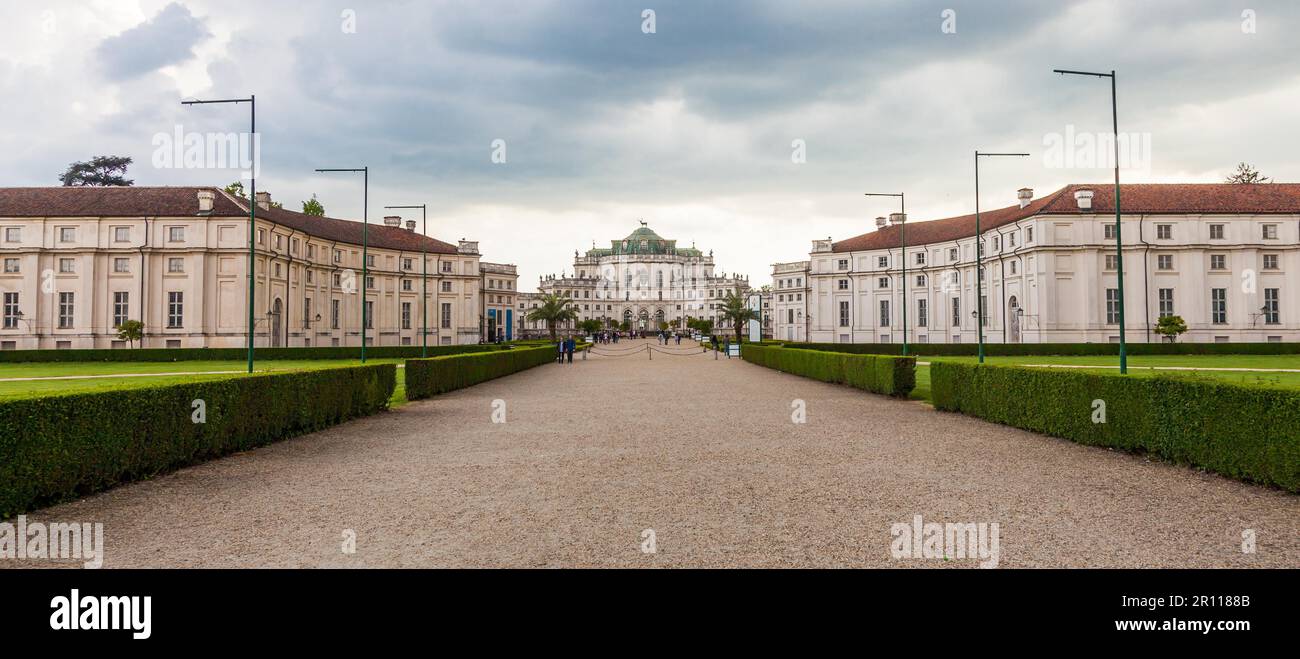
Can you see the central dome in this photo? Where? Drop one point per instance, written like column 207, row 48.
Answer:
column 643, row 233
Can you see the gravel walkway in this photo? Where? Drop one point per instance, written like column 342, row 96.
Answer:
column 703, row 452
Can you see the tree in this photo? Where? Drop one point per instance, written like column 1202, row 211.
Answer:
column 1247, row 174
column 735, row 310
column 313, row 207
column 663, row 326
column 131, row 331
column 553, row 309
column 100, row 171
column 675, row 323
column 590, row 326
column 1170, row 327
column 624, row 326
column 236, row 189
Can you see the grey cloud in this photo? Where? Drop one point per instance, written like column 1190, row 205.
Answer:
column 167, row 38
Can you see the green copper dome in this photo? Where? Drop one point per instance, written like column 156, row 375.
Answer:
column 643, row 241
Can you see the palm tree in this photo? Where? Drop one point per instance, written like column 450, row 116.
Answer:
column 553, row 309
column 735, row 309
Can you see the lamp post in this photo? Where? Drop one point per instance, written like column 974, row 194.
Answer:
column 1119, row 239
column 424, row 280
column 252, row 203
column 979, row 250
column 365, row 245
column 900, row 218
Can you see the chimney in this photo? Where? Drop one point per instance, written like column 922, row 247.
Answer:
column 467, row 246
column 881, row 223
column 264, row 200
column 1084, row 198
column 897, row 218
column 392, row 220
column 1025, row 195
column 410, row 226
column 206, row 197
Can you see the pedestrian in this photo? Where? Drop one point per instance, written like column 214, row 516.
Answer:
column 569, row 349
column 559, row 352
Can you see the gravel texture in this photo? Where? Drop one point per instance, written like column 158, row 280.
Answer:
column 703, row 452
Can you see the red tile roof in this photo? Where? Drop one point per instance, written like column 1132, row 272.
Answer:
column 1147, row 198
column 184, row 202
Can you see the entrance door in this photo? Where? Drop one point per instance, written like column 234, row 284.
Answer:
column 275, row 323
column 1013, row 318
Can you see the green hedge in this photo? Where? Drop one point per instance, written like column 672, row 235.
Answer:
column 1053, row 349
column 233, row 354
column 881, row 374
column 1248, row 433
column 58, row 447
column 437, row 375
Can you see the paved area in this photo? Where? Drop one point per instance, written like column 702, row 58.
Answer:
column 701, row 451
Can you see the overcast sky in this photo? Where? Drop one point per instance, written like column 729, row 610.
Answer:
column 690, row 127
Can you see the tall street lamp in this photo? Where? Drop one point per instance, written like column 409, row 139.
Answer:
column 252, row 203
column 1119, row 239
column 424, row 281
column 901, row 220
column 979, row 250
column 365, row 245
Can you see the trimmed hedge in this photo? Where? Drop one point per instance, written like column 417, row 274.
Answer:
column 58, row 447
column 437, row 375
column 1052, row 349
column 234, row 354
column 881, row 374
column 1248, row 433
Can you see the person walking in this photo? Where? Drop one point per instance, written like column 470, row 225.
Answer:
column 559, row 352
column 568, row 348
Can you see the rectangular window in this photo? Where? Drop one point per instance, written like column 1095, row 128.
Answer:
column 370, row 260
column 293, row 245
column 121, row 307
column 1270, row 261
column 1216, row 232
column 884, row 313
column 67, row 234
column 178, row 265
column 920, row 258
column 1112, row 306
column 1112, row 262
column 121, row 265
column 1272, row 315
column 1164, row 232
column 446, row 287
column 844, row 314
column 12, row 265
column 67, row 265
column 11, row 310
column 1270, row 232
column 406, row 284
column 66, row 305
column 406, row 315
column 1029, row 234
column 338, row 256
column 370, row 314
column 952, row 255
column 1108, row 232
column 956, row 312
column 175, row 309
column 920, row 280
column 1218, row 262
column 1165, row 261
column 370, row 282
column 446, row 267
column 984, row 303
column 1166, row 302
column 1218, row 305
column 882, row 282
column 306, row 313
column 121, row 234
column 406, row 264
column 922, row 313
column 334, row 314
column 177, row 234
column 842, row 264
column 446, row 315
column 13, row 234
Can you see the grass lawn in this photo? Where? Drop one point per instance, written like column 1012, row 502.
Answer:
column 24, row 389
column 1137, row 364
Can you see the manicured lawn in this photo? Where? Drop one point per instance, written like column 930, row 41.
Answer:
column 23, row 389
column 1137, row 364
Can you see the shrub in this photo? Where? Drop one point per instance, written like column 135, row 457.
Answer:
column 1053, row 349
column 58, row 447
column 893, row 376
column 437, row 375
column 1248, row 433
column 233, row 354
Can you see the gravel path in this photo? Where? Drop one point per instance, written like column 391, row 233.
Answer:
column 703, row 452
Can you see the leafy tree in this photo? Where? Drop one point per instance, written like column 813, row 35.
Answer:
column 313, row 207
column 236, row 189
column 589, row 326
column 735, row 310
column 100, row 171
column 675, row 323
column 702, row 325
column 1170, row 327
column 553, row 309
column 131, row 331
column 624, row 326
column 1247, row 174
column 662, row 326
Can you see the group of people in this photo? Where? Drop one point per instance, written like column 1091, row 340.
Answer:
column 564, row 350
column 606, row 337
column 665, row 337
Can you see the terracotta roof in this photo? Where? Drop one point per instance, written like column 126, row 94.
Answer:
column 135, row 201
column 1147, row 198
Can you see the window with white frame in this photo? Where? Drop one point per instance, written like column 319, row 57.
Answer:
column 1112, row 262
column 121, row 264
column 922, row 313
column 175, row 309
column 67, row 266
column 67, row 234
column 1112, row 306
column 1216, row 232
column 1218, row 261
column 842, row 284
column 1164, row 232
column 177, row 264
column 1270, row 232
column 177, row 234
column 842, row 264
column 882, row 261
column 1272, row 312
column 920, row 258
column 66, row 309
column 844, row 313
column 1164, row 261
column 1218, row 305
column 12, row 265
column 1166, row 302
column 11, row 310
column 1108, row 231
column 882, row 282
column 1270, row 262
column 121, row 234
column 121, row 307
column 13, row 234
column 884, row 313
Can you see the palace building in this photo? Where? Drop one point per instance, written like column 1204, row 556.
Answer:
column 642, row 280
column 80, row 261
column 1224, row 257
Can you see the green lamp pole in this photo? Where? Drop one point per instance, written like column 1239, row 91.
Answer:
column 1119, row 236
column 902, row 239
column 979, row 250
column 252, row 204
column 424, row 282
column 365, row 246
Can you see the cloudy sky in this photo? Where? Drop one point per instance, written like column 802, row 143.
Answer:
column 698, row 126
